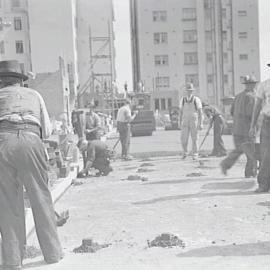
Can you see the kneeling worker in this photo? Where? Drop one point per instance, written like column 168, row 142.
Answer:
column 97, row 156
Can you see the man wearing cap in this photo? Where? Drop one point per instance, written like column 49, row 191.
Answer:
column 124, row 119
column 217, row 120
column 24, row 122
column 241, row 111
column 262, row 106
column 97, row 154
column 92, row 123
column 190, row 120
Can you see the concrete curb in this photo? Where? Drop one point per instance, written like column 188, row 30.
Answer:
column 60, row 188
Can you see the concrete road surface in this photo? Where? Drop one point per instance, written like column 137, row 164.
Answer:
column 223, row 224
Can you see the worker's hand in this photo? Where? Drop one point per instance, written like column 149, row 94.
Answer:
column 200, row 127
column 252, row 133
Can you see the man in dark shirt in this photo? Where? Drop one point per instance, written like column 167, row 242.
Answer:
column 217, row 120
column 97, row 156
column 241, row 110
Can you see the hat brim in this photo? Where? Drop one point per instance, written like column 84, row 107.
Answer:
column 14, row 74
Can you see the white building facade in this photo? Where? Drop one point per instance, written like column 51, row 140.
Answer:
column 211, row 43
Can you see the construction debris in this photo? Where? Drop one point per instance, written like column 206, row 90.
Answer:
column 166, row 240
column 76, row 182
column 195, row 174
column 62, row 218
column 89, row 246
column 31, row 252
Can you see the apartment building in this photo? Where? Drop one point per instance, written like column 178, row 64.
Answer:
column 14, row 33
column 211, row 43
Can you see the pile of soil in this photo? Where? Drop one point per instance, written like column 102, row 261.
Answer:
column 166, row 240
column 89, row 246
column 31, row 252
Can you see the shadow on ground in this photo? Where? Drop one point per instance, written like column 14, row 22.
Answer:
column 250, row 249
column 225, row 185
column 196, row 196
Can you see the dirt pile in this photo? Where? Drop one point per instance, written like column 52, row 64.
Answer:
column 89, row 246
column 195, row 174
column 142, row 170
column 147, row 164
column 166, row 240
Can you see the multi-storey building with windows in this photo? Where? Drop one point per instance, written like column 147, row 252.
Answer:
column 211, row 43
column 14, row 33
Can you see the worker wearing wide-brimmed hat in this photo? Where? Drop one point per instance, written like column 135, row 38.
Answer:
column 24, row 121
column 262, row 107
column 241, row 110
column 190, row 120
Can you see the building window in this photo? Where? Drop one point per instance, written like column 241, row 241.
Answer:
column 19, row 46
column 169, row 103
column 189, row 14
column 162, row 81
column 242, row 13
column 160, row 16
column 15, row 3
column 22, row 68
column 242, row 34
column 190, row 36
column 224, row 35
column 209, row 57
column 225, row 78
column 17, row 23
column 192, row 78
column 224, row 13
column 191, row 58
column 225, row 57
column 161, row 38
column 161, row 60
column 163, row 104
column 208, row 35
column 243, row 57
column 157, row 107
column 209, row 79
column 2, row 47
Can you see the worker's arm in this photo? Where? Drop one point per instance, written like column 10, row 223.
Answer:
column 255, row 116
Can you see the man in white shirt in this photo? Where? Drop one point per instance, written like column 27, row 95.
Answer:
column 124, row 117
column 190, row 120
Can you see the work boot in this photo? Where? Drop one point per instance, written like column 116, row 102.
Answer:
column 223, row 168
column 184, row 156
column 261, row 190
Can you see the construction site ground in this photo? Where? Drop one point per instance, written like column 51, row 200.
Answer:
column 222, row 222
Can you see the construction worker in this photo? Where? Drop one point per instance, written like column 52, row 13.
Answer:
column 124, row 119
column 217, row 120
column 92, row 123
column 262, row 106
column 97, row 157
column 241, row 111
column 190, row 120
column 24, row 121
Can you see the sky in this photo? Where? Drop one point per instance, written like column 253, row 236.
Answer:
column 123, row 44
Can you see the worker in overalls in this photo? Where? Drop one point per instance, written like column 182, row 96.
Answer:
column 24, row 122
column 190, row 120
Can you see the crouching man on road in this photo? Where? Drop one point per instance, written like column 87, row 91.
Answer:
column 97, row 157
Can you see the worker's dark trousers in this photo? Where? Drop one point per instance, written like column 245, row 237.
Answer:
column 22, row 163
column 219, row 148
column 124, row 132
column 229, row 161
column 264, row 172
